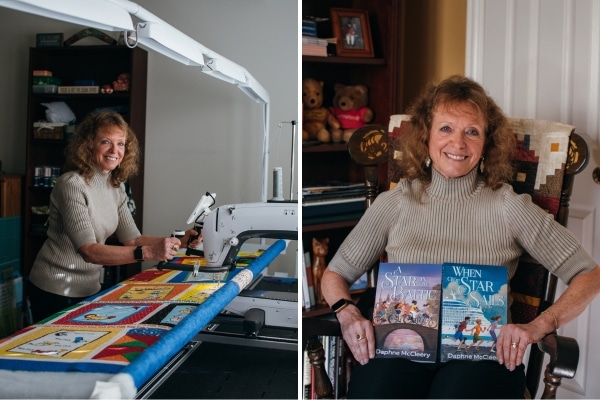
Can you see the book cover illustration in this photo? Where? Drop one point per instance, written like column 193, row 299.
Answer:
column 474, row 308
column 406, row 312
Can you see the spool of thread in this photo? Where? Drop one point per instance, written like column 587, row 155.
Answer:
column 277, row 184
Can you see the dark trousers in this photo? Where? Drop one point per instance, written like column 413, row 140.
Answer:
column 386, row 378
column 44, row 304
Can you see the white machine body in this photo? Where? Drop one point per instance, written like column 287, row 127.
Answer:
column 227, row 227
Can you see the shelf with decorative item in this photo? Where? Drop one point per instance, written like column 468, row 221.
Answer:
column 344, row 60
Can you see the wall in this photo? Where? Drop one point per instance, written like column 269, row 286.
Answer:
column 202, row 134
column 541, row 59
column 434, row 38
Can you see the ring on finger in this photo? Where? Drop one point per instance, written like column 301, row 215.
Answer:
column 361, row 336
column 514, row 345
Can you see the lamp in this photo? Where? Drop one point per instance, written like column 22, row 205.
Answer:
column 172, row 43
column 254, row 90
column 158, row 35
column 224, row 69
column 99, row 14
column 165, row 39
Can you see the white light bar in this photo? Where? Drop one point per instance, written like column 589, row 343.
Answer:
column 225, row 70
column 97, row 14
column 172, row 43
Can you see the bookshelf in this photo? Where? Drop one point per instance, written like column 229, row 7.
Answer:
column 381, row 74
column 102, row 63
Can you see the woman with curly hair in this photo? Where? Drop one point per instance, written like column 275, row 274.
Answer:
column 88, row 204
column 455, row 205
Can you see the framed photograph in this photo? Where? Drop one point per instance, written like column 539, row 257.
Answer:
column 352, row 31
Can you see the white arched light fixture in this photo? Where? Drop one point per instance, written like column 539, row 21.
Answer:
column 157, row 35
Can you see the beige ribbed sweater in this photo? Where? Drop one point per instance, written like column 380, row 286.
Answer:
column 458, row 220
column 80, row 213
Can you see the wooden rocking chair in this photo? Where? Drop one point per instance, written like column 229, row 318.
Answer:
column 532, row 286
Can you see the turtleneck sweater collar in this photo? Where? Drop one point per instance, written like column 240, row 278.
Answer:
column 454, row 188
column 99, row 178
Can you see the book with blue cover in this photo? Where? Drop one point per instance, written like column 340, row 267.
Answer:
column 474, row 308
column 406, row 311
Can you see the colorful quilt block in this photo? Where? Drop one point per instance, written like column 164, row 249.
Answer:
column 107, row 314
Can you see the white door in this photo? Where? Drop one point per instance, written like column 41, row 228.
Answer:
column 541, row 59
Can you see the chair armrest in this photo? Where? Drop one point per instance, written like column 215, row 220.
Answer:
column 563, row 352
column 312, row 327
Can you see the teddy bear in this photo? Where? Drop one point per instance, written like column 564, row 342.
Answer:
column 122, row 83
column 350, row 109
column 316, row 118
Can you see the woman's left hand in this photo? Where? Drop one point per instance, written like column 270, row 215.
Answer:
column 513, row 341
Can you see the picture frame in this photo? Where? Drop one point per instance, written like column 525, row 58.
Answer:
column 353, row 33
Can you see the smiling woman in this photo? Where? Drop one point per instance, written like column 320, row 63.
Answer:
column 88, row 205
column 451, row 207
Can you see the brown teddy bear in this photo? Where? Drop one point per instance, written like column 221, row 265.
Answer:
column 315, row 117
column 350, row 109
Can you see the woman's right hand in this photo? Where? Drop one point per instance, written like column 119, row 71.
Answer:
column 163, row 250
column 358, row 334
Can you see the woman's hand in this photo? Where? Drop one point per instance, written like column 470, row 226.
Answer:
column 358, row 334
column 163, row 250
column 513, row 341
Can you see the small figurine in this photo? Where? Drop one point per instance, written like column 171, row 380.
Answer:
column 320, row 249
column 107, row 89
column 122, row 83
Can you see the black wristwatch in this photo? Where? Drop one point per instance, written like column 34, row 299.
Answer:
column 138, row 254
column 341, row 304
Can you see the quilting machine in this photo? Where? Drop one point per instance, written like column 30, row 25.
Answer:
column 265, row 314
column 224, row 231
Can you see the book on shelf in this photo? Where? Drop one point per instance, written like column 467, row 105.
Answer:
column 406, row 311
column 306, row 375
column 310, row 26
column 474, row 307
column 308, row 288
column 332, row 190
column 78, row 89
column 323, row 42
column 335, row 365
column 314, row 50
column 333, row 207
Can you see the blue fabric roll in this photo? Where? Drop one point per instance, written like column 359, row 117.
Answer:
column 156, row 356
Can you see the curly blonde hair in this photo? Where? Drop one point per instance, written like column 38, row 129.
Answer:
column 457, row 92
column 80, row 149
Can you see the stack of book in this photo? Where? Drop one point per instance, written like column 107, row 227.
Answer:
column 333, row 199
column 312, row 46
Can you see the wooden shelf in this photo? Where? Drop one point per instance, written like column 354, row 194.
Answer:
column 317, row 311
column 382, row 76
column 324, row 147
column 307, row 226
column 345, row 60
column 102, row 64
